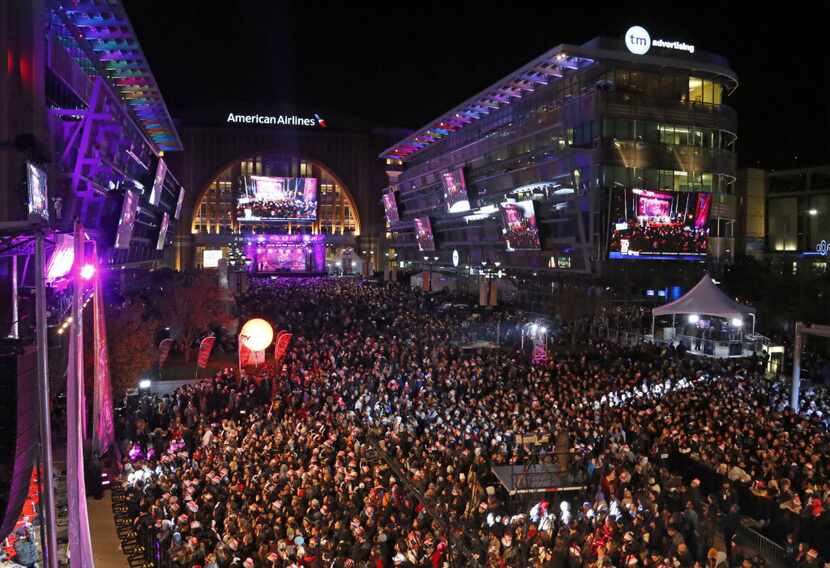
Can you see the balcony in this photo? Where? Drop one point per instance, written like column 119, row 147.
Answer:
column 626, row 105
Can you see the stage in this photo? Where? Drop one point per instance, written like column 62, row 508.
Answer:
column 284, row 255
column 522, row 479
column 290, row 274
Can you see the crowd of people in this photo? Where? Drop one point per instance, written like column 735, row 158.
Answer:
column 283, row 209
column 373, row 443
column 663, row 238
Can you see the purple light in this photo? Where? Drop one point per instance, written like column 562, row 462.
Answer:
column 87, row 271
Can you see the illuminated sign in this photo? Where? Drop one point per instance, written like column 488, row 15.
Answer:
column 638, row 41
column 822, row 248
column 276, row 120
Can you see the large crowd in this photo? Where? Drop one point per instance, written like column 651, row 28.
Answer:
column 667, row 238
column 373, row 443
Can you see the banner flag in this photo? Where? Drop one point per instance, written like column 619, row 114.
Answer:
column 540, row 353
column 164, row 351
column 205, row 347
column 281, row 345
column 102, row 416
column 245, row 357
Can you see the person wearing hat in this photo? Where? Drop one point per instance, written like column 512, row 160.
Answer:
column 24, row 549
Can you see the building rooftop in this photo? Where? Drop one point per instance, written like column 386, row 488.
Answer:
column 552, row 65
column 110, row 45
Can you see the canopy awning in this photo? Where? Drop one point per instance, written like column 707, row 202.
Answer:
column 705, row 299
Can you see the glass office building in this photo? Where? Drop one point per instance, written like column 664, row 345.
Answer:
column 587, row 155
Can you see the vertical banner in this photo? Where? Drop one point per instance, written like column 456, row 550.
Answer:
column 80, row 542
column 164, row 351
column 493, row 299
column 205, row 347
column 540, row 353
column 281, row 345
column 426, row 276
column 483, row 292
column 245, row 356
column 102, row 417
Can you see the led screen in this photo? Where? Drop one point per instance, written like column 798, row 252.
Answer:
column 391, row 207
column 38, row 194
column 423, row 234
column 455, row 191
column 519, row 226
column 269, row 199
column 158, row 183
column 179, row 204
column 211, row 258
column 659, row 224
column 165, row 223
column 127, row 220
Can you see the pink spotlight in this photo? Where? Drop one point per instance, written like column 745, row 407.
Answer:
column 87, row 271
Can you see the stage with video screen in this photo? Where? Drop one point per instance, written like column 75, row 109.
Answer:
column 277, row 199
column 519, row 226
column 659, row 224
column 286, row 253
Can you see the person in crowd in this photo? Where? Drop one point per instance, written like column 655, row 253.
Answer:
column 373, row 444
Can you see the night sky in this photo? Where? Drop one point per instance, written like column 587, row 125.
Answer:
column 402, row 65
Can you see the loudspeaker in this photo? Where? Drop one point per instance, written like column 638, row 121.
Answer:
column 18, row 432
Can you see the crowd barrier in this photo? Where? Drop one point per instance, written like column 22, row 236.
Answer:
column 140, row 544
column 781, row 521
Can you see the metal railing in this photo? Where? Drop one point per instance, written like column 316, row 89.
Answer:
column 771, row 551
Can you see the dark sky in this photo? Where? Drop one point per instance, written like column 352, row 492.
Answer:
column 402, row 64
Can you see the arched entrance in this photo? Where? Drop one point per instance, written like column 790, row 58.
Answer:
column 215, row 210
column 215, row 225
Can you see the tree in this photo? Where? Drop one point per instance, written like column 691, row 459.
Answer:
column 191, row 304
column 130, row 338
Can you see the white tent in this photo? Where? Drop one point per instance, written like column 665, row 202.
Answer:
column 705, row 299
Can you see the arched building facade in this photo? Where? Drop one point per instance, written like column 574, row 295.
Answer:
column 223, row 149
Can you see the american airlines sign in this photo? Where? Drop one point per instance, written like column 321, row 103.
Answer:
column 276, row 120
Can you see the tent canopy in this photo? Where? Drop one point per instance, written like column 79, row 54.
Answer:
column 705, row 299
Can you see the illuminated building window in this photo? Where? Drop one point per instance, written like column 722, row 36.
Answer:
column 705, row 91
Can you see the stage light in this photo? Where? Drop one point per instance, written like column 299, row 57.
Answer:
column 144, row 383
column 694, row 318
column 257, row 334
column 737, row 322
column 87, row 271
column 543, row 330
column 813, row 212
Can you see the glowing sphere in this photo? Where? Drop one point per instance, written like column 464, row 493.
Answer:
column 257, row 334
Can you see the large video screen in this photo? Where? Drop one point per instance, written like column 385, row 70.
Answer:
column 661, row 224
column 274, row 199
column 519, row 226
column 165, row 223
column 38, row 194
column 158, row 183
column 423, row 234
column 391, row 208
column 179, row 204
column 455, row 191
column 126, row 222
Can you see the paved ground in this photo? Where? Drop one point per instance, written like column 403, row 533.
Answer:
column 105, row 544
